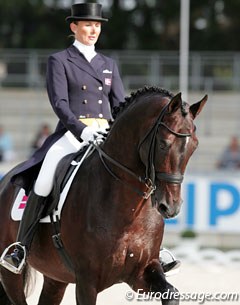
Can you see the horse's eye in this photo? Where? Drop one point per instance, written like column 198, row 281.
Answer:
column 164, row 144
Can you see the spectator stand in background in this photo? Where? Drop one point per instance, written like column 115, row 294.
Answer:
column 230, row 159
column 6, row 146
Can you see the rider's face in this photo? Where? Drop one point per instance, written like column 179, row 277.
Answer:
column 87, row 32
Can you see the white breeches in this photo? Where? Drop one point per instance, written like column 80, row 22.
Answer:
column 65, row 145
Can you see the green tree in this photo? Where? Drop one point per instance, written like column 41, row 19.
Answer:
column 222, row 23
column 148, row 25
column 31, row 24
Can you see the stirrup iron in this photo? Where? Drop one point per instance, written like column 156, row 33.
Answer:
column 6, row 265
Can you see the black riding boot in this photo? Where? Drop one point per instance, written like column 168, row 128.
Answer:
column 28, row 225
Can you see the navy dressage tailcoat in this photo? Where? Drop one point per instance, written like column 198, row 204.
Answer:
column 76, row 89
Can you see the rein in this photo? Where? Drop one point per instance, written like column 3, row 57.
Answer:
column 147, row 182
column 150, row 170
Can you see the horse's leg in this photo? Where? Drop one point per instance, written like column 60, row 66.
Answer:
column 14, row 287
column 86, row 293
column 156, row 280
column 52, row 292
column 153, row 282
column 4, row 300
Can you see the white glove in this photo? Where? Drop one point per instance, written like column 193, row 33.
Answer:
column 89, row 134
column 104, row 130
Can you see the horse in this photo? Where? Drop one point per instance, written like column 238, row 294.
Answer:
column 112, row 222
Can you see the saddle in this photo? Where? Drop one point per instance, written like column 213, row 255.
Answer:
column 64, row 175
column 64, row 172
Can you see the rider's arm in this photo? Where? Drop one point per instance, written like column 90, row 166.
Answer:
column 57, row 88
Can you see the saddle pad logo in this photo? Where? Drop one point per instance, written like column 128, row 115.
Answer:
column 23, row 202
column 19, row 205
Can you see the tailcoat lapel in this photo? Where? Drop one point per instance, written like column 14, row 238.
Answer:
column 78, row 59
column 98, row 64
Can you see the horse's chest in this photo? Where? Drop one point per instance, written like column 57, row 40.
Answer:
column 138, row 243
column 134, row 248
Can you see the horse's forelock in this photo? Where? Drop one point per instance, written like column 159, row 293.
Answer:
column 185, row 108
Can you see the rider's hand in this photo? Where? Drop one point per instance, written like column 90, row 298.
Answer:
column 89, row 134
column 104, row 131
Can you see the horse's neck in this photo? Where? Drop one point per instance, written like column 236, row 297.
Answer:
column 124, row 150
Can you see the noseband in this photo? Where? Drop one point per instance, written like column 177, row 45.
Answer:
column 151, row 174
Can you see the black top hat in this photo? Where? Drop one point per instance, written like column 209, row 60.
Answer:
column 86, row 11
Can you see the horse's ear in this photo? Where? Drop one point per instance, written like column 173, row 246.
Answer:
column 196, row 108
column 175, row 103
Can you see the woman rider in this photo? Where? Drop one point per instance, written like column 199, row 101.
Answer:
column 83, row 86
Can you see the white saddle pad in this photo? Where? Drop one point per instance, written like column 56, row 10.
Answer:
column 21, row 200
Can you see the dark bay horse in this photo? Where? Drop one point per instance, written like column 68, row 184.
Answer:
column 112, row 221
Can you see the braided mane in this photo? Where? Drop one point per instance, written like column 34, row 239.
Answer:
column 129, row 100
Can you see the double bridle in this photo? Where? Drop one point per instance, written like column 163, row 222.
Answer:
column 149, row 179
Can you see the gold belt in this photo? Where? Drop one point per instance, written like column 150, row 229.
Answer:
column 95, row 122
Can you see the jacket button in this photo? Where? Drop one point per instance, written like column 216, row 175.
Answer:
column 100, row 115
column 84, row 87
column 100, row 88
column 84, row 101
column 99, row 101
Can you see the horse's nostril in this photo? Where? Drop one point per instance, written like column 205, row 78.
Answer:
column 163, row 208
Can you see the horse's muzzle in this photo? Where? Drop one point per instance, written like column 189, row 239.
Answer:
column 168, row 211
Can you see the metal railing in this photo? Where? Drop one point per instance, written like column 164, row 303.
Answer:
column 207, row 70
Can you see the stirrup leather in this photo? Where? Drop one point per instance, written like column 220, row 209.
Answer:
column 5, row 264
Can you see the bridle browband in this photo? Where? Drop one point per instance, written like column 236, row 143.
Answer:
column 177, row 134
column 149, row 178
